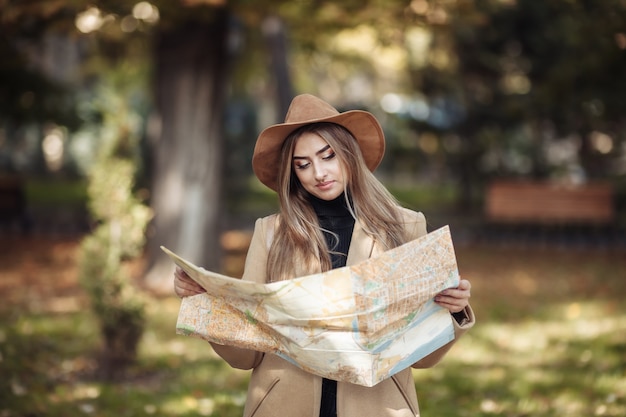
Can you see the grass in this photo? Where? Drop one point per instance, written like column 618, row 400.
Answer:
column 550, row 338
column 425, row 196
column 48, row 367
column 550, row 341
column 43, row 192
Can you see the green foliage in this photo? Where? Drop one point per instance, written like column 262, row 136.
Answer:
column 26, row 95
column 118, row 237
column 530, row 73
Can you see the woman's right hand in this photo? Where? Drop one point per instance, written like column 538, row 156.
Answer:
column 184, row 286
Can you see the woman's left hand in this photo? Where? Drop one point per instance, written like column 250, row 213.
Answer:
column 455, row 299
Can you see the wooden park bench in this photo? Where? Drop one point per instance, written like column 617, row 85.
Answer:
column 532, row 202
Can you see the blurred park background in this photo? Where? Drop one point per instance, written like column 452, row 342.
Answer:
column 129, row 125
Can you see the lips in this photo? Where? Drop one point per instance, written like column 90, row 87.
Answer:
column 325, row 185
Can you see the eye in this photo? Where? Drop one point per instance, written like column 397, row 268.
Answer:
column 299, row 165
column 329, row 156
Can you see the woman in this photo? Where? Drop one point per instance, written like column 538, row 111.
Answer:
column 333, row 212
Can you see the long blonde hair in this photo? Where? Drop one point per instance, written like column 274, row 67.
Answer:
column 298, row 239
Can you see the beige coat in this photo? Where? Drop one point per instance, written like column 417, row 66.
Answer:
column 278, row 388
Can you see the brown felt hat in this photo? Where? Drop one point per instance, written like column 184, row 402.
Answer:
column 306, row 109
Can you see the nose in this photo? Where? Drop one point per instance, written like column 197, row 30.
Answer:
column 320, row 172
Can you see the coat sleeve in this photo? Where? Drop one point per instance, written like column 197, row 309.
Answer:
column 462, row 321
column 254, row 270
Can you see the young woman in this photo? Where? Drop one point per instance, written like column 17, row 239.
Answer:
column 333, row 212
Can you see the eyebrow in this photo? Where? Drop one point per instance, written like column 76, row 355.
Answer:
column 324, row 149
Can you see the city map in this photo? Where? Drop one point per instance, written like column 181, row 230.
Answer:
column 359, row 324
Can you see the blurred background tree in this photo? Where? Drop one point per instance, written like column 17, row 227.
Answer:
column 526, row 89
column 107, row 253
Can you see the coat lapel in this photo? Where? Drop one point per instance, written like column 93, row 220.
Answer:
column 361, row 245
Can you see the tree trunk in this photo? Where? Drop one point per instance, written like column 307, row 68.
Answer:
column 192, row 63
column 276, row 42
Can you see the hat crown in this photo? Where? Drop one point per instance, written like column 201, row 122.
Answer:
column 307, row 107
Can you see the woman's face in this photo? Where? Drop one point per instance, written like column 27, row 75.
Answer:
column 317, row 167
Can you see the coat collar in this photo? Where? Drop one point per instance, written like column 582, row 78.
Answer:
column 361, row 246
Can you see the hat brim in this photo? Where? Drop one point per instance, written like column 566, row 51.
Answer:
column 361, row 124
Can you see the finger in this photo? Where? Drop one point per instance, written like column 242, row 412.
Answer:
column 185, row 286
column 182, row 275
column 187, row 291
column 461, row 291
column 464, row 285
column 185, row 280
column 455, row 294
column 452, row 307
column 188, row 286
column 450, row 300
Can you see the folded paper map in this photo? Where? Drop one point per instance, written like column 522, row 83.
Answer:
column 359, row 324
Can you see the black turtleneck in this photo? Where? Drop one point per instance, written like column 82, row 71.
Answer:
column 335, row 217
